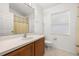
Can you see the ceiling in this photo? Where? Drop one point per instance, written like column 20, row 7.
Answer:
column 21, row 8
column 47, row 5
column 24, row 9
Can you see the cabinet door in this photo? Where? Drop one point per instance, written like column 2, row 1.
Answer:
column 39, row 47
column 26, row 51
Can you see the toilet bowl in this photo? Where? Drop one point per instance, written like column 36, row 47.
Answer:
column 48, row 44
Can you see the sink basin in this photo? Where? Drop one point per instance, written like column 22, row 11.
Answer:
column 27, row 38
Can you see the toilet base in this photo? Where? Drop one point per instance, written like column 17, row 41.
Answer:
column 48, row 46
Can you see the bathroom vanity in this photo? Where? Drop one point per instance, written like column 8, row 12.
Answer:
column 12, row 40
column 24, row 47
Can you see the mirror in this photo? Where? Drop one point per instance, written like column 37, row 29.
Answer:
column 14, row 18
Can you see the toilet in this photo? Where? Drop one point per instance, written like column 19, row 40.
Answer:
column 48, row 44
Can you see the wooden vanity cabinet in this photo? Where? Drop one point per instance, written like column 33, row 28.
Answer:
column 39, row 47
column 27, row 50
column 36, row 48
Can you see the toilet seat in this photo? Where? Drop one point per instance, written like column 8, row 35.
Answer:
column 48, row 43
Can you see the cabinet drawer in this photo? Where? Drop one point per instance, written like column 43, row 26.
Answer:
column 23, row 51
column 13, row 53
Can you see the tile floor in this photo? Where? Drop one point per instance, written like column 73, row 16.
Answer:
column 56, row 52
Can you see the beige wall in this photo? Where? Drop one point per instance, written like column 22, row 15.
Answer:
column 77, row 31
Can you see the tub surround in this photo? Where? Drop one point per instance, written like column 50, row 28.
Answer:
column 11, row 43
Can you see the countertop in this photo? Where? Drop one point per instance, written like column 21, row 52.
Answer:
column 11, row 43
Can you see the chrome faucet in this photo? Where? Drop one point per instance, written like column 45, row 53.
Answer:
column 25, row 35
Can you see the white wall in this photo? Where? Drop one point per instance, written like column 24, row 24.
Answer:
column 67, row 42
column 6, row 19
column 31, row 23
column 4, row 8
column 38, row 19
